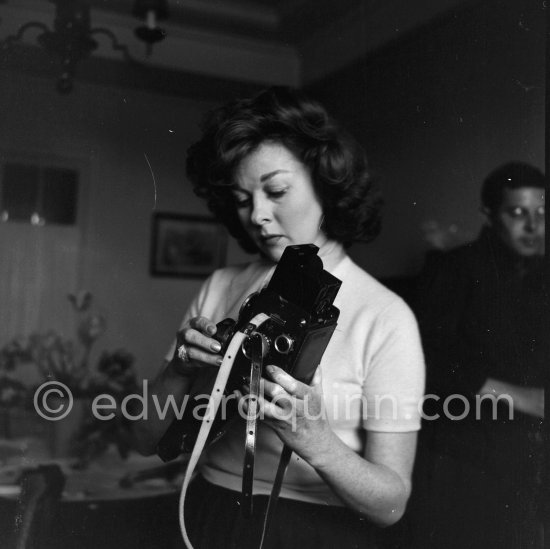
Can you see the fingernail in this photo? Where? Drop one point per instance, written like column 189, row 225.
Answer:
column 216, row 347
column 211, row 329
column 270, row 369
column 219, row 361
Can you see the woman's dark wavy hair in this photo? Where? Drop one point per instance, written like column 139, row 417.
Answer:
column 337, row 164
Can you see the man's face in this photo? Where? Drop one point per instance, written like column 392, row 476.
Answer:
column 519, row 220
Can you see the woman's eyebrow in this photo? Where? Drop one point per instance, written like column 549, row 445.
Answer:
column 269, row 175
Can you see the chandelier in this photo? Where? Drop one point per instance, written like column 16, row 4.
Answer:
column 72, row 37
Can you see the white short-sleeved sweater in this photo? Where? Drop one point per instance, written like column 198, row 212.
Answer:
column 372, row 373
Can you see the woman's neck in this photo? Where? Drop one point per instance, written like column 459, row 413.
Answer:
column 331, row 253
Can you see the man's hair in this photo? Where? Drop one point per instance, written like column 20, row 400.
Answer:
column 336, row 162
column 513, row 175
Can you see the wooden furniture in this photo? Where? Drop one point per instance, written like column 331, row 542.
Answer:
column 51, row 505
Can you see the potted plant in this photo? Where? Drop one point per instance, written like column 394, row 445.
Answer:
column 52, row 357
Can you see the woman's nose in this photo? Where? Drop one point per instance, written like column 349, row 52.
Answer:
column 261, row 212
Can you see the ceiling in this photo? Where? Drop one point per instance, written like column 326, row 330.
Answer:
column 289, row 42
column 277, row 20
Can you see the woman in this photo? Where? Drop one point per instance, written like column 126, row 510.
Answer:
column 278, row 171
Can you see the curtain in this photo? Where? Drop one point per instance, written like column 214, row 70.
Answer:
column 38, row 268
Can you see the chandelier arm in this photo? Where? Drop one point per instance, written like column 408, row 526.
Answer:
column 115, row 44
column 9, row 40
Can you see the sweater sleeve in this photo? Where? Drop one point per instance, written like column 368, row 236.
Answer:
column 394, row 384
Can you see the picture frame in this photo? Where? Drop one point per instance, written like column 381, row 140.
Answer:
column 186, row 245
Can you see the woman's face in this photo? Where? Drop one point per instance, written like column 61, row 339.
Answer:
column 276, row 201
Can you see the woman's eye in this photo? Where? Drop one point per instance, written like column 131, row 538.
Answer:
column 241, row 201
column 276, row 193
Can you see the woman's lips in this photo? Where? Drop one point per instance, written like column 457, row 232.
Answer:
column 270, row 239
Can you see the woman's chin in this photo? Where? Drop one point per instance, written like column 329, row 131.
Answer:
column 272, row 252
column 273, row 255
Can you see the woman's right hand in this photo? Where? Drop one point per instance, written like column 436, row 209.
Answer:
column 176, row 379
column 195, row 346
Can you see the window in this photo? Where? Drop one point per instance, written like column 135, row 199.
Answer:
column 38, row 194
column 40, row 239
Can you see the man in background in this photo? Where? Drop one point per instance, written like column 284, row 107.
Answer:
column 481, row 312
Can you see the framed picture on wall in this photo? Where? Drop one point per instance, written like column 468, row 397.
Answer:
column 186, row 245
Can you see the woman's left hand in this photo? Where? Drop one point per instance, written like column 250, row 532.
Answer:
column 376, row 484
column 295, row 411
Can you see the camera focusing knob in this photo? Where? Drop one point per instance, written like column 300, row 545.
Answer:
column 225, row 331
column 283, row 344
column 247, row 302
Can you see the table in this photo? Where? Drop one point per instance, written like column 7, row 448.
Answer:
column 94, row 511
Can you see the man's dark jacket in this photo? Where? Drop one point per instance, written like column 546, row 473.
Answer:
column 481, row 311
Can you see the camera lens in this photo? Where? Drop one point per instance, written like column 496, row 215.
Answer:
column 283, row 344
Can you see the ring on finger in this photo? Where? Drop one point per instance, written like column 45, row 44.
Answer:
column 183, row 355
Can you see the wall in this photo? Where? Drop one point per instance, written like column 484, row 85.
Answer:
column 436, row 111
column 366, row 27
column 108, row 132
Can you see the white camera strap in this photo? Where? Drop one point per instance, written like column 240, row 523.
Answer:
column 211, row 411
